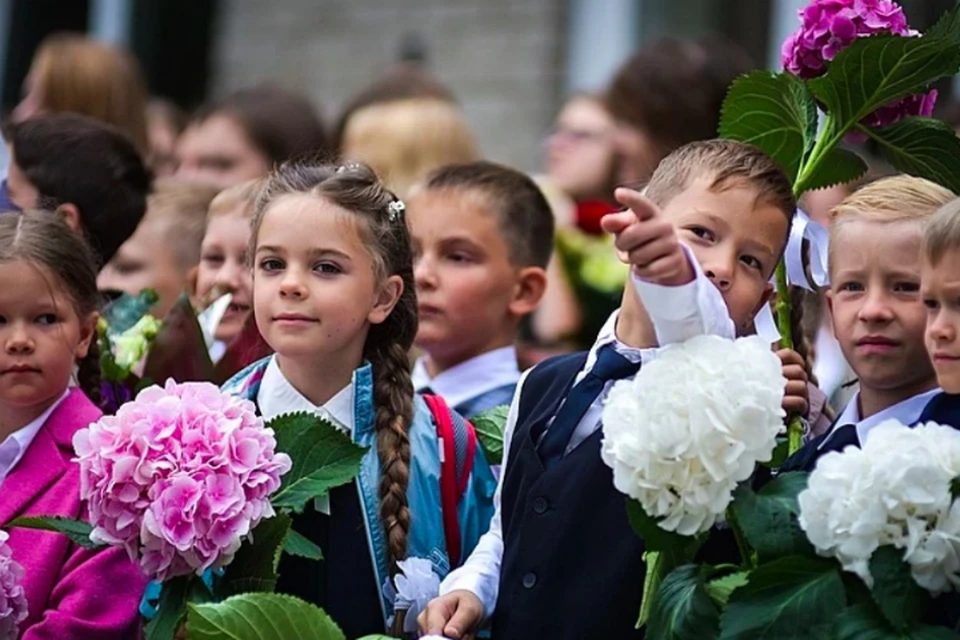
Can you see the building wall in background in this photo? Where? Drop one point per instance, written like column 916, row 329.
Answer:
column 502, row 58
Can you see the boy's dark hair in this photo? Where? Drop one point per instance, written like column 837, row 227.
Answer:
column 74, row 159
column 43, row 239
column 673, row 89
column 728, row 163
column 523, row 213
column 282, row 124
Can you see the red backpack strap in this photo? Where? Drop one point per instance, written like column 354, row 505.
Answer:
column 458, row 444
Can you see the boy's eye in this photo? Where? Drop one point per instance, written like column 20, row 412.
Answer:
column 47, row 319
column 328, row 268
column 702, row 232
column 906, row 287
column 212, row 259
column 271, row 264
column 851, row 286
column 752, row 262
column 459, row 256
column 931, row 304
column 126, row 268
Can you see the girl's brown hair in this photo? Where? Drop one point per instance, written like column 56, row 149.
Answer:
column 43, row 239
column 75, row 74
column 385, row 234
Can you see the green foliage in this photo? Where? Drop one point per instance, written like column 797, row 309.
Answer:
column 774, row 112
column 260, row 616
column 768, row 518
column 719, row 589
column 794, row 597
column 683, row 609
column 866, row 622
column 254, row 567
column 171, row 609
column 923, row 147
column 298, row 545
column 654, row 538
column 124, row 312
column 900, row 599
column 77, row 530
column 489, row 427
column 179, row 350
column 838, row 166
column 323, row 457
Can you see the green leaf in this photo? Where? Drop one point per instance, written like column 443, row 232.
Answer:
column 654, row 538
column 179, row 350
column 489, row 426
column 874, row 71
column 261, row 616
column 170, row 610
column 77, row 530
column 897, row 595
column 323, row 457
column 768, row 518
column 720, row 589
column 254, row 567
column 299, row 545
column 866, row 622
column 683, row 610
column 838, row 167
column 124, row 312
column 791, row 598
column 923, row 147
column 378, row 637
column 776, row 113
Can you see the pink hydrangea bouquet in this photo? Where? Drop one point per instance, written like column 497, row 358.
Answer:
column 179, row 478
column 13, row 601
column 816, row 572
column 199, row 492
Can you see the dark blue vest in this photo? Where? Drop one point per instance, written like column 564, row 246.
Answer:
column 943, row 409
column 572, row 567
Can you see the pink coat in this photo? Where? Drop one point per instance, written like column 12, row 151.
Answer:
column 72, row 593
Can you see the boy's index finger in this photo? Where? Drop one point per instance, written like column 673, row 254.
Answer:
column 643, row 207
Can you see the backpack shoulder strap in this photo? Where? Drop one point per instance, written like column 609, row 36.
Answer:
column 458, row 443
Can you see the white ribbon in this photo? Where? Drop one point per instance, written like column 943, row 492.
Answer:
column 210, row 319
column 765, row 325
column 819, row 238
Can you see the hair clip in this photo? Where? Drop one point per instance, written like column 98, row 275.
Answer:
column 395, row 209
column 349, row 166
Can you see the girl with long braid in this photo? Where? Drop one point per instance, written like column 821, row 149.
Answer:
column 334, row 297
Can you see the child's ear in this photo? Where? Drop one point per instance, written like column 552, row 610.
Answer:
column 528, row 291
column 71, row 215
column 88, row 333
column 386, row 300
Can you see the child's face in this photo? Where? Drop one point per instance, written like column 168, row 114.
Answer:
column 736, row 238
column 874, row 297
column 466, row 284
column 223, row 265
column 146, row 261
column 41, row 338
column 315, row 293
column 218, row 151
column 941, row 295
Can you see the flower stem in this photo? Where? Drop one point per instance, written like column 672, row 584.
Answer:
column 745, row 554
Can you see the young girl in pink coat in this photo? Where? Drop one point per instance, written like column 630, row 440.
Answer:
column 48, row 316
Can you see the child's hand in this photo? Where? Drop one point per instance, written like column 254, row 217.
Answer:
column 648, row 241
column 796, row 397
column 456, row 615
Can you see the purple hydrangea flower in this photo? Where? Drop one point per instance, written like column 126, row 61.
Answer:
column 13, row 600
column 829, row 26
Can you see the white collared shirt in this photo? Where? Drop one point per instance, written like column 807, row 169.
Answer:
column 13, row 448
column 277, row 397
column 906, row 412
column 471, row 378
column 480, row 574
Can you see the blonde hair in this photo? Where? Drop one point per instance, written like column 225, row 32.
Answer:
column 75, row 74
column 181, row 207
column 943, row 232
column 238, row 199
column 899, row 198
column 403, row 140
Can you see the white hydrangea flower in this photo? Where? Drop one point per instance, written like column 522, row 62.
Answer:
column 692, row 425
column 894, row 491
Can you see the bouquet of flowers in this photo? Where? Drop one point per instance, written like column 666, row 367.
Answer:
column 199, row 492
column 870, row 546
column 13, row 601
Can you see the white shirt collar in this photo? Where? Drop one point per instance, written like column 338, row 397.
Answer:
column 13, row 448
column 277, row 397
column 906, row 412
column 470, row 378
